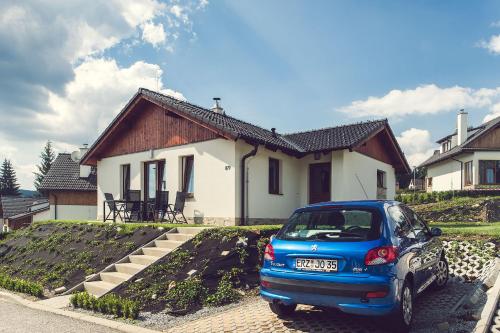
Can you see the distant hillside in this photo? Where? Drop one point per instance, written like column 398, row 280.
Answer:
column 29, row 193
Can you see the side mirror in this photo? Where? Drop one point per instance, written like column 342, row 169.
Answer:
column 436, row 232
column 271, row 238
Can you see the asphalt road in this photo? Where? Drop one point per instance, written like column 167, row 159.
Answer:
column 15, row 318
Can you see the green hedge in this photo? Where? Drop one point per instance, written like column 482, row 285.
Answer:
column 420, row 198
column 107, row 304
column 20, row 285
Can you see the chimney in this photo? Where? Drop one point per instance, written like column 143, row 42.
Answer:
column 217, row 108
column 273, row 131
column 84, row 169
column 83, row 149
column 462, row 127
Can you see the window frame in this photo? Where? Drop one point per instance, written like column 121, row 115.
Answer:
column 274, row 176
column 384, row 179
column 124, row 180
column 482, row 172
column 468, row 173
column 187, row 183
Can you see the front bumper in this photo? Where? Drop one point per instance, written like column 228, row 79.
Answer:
column 347, row 297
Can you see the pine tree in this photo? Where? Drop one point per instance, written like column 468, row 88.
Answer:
column 8, row 179
column 48, row 156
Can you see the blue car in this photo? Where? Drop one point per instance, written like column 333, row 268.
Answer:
column 361, row 257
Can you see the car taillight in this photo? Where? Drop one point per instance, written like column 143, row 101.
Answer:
column 376, row 294
column 381, row 255
column 269, row 252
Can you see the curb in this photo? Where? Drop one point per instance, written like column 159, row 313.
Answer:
column 124, row 327
column 490, row 307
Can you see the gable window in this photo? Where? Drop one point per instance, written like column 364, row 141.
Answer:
column 468, row 173
column 274, row 176
column 187, row 167
column 125, row 180
column 489, row 172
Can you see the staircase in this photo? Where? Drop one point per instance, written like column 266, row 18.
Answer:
column 128, row 267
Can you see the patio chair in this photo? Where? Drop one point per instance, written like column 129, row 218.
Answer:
column 115, row 209
column 161, row 206
column 178, row 208
column 133, row 209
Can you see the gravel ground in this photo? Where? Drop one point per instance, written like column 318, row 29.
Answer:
column 15, row 318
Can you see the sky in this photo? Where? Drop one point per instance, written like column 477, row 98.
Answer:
column 68, row 67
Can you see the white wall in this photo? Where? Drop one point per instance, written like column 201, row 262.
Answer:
column 72, row 212
column 448, row 175
column 214, row 176
column 42, row 216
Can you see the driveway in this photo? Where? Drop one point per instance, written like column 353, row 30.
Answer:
column 431, row 309
column 16, row 318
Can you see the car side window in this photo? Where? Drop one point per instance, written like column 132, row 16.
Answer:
column 419, row 227
column 401, row 222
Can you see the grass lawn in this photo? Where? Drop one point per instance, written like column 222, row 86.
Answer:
column 479, row 229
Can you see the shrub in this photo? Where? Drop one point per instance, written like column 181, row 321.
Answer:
column 107, row 304
column 20, row 285
column 423, row 197
column 225, row 293
column 186, row 294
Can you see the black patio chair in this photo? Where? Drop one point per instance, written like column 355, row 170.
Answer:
column 133, row 209
column 161, row 206
column 178, row 208
column 115, row 208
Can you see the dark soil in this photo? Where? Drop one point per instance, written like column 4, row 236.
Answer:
column 203, row 255
column 476, row 210
column 62, row 254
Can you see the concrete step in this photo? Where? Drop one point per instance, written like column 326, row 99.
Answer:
column 142, row 259
column 156, row 251
column 190, row 230
column 129, row 268
column 168, row 244
column 114, row 277
column 179, row 237
column 98, row 288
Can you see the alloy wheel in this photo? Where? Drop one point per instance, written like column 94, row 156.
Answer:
column 407, row 306
column 442, row 273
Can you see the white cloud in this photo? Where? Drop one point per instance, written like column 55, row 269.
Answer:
column 425, row 99
column 492, row 45
column 154, row 34
column 495, row 112
column 416, row 144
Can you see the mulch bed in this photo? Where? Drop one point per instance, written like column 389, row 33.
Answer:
column 62, row 254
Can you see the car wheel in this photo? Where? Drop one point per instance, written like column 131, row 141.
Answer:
column 442, row 273
column 282, row 310
column 401, row 319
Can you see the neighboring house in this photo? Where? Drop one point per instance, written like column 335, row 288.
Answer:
column 19, row 212
column 417, row 184
column 71, row 188
column 468, row 159
column 236, row 172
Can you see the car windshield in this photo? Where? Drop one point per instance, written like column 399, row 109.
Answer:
column 339, row 224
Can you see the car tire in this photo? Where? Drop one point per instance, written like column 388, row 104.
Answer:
column 400, row 320
column 282, row 310
column 442, row 274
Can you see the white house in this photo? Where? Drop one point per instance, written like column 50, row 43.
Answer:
column 468, row 159
column 235, row 172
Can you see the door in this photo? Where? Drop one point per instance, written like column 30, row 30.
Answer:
column 153, row 179
column 319, row 182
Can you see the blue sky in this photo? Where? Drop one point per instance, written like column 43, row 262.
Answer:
column 293, row 65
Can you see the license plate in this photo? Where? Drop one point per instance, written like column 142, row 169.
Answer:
column 320, row 265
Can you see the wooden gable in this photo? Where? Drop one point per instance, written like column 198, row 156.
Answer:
column 489, row 140
column 381, row 148
column 150, row 126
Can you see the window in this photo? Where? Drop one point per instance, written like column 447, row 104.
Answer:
column 346, row 224
column 381, row 179
column 419, row 227
column 154, row 178
column 446, row 146
column 125, row 180
column 187, row 179
column 489, row 172
column 429, row 182
column 402, row 225
column 274, row 176
column 468, row 173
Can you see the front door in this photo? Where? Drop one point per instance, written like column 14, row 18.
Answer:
column 319, row 182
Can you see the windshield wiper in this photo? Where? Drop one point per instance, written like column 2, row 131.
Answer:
column 326, row 235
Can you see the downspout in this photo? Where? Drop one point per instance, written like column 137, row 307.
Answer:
column 243, row 189
column 55, row 206
column 461, row 173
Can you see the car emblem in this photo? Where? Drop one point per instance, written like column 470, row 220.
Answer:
column 314, row 247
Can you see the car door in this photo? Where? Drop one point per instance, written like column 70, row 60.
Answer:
column 429, row 248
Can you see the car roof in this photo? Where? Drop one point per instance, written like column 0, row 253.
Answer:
column 356, row 203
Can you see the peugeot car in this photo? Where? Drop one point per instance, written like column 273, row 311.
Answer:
column 361, row 257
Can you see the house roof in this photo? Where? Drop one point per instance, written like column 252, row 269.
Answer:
column 297, row 144
column 12, row 206
column 64, row 174
column 464, row 147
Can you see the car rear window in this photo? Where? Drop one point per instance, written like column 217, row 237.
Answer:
column 343, row 224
